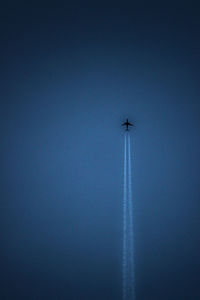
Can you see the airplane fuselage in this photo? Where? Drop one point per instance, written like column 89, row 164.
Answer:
column 127, row 124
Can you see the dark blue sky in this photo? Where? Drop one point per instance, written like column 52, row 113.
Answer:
column 70, row 74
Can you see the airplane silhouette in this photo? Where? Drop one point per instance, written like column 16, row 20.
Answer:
column 127, row 124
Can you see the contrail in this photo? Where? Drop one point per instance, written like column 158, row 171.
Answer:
column 130, row 210
column 124, row 258
column 128, row 238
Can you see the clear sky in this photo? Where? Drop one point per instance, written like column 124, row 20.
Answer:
column 71, row 72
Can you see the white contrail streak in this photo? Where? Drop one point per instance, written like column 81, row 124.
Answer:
column 128, row 238
column 130, row 210
column 124, row 262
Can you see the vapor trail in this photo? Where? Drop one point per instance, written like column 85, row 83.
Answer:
column 124, row 258
column 128, row 238
column 130, row 211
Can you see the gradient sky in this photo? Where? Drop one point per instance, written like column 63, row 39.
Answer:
column 71, row 72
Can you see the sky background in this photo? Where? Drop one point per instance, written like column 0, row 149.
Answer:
column 71, row 72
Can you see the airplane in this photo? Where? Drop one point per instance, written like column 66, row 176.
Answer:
column 127, row 124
